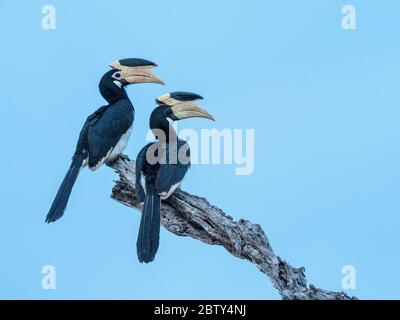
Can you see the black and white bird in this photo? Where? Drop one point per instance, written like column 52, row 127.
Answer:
column 106, row 132
column 162, row 165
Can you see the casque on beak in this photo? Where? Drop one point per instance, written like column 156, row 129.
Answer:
column 183, row 105
column 137, row 74
column 189, row 109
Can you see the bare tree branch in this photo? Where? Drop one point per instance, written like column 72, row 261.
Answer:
column 188, row 215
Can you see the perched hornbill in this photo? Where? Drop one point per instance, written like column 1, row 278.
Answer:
column 162, row 165
column 106, row 132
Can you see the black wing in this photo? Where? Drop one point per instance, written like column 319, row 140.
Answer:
column 106, row 129
column 172, row 173
column 82, row 145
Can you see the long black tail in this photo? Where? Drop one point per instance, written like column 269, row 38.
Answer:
column 60, row 202
column 149, row 231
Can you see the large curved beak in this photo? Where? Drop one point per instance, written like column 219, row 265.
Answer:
column 140, row 74
column 189, row 109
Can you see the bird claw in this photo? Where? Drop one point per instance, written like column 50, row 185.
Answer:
column 122, row 157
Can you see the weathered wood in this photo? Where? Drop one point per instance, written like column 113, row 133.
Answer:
column 188, row 215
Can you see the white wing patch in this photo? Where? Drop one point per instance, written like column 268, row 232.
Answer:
column 100, row 163
column 166, row 195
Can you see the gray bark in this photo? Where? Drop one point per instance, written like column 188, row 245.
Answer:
column 188, row 215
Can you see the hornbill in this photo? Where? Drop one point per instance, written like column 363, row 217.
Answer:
column 162, row 165
column 106, row 132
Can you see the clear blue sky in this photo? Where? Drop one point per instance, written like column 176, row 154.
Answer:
column 324, row 104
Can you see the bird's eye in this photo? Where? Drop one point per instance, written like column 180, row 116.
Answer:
column 117, row 76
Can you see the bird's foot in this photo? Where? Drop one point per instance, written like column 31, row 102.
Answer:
column 112, row 163
column 123, row 157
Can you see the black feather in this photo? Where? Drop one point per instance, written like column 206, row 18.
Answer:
column 149, row 231
column 61, row 200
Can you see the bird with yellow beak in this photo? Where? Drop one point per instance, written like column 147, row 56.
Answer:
column 162, row 165
column 106, row 132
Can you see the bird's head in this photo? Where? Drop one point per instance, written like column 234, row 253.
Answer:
column 176, row 106
column 125, row 72
column 181, row 105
